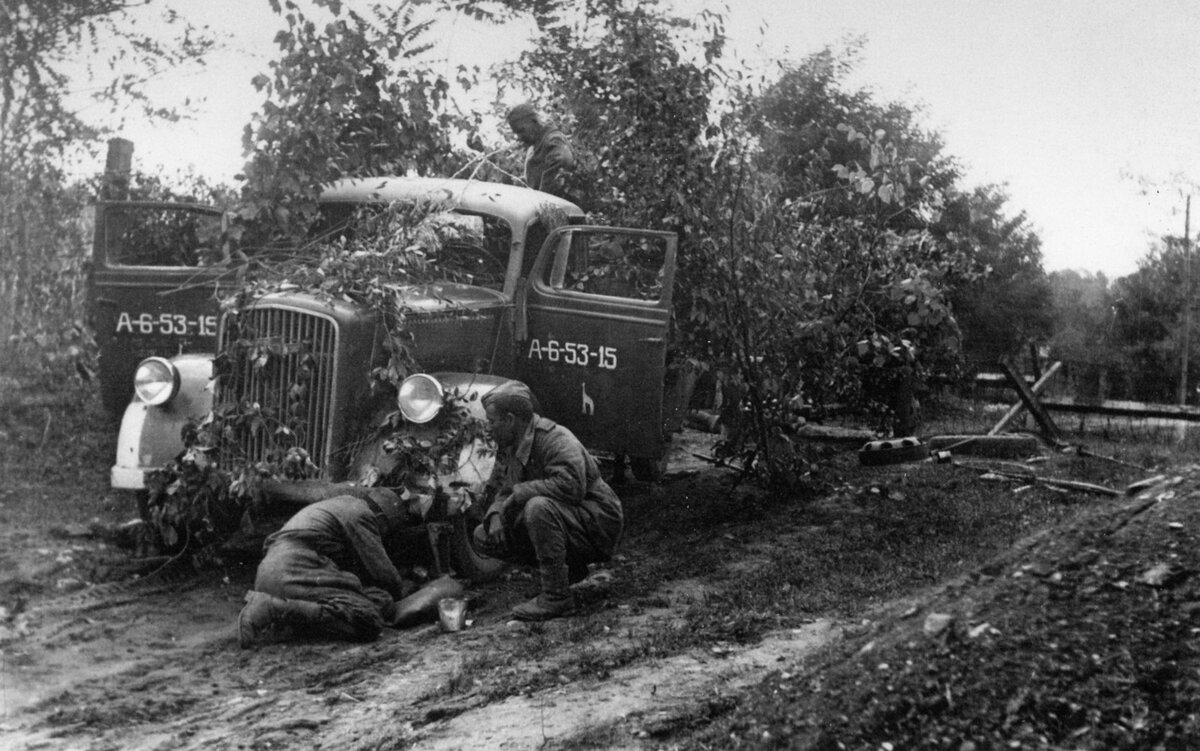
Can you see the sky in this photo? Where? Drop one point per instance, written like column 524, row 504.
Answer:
column 1087, row 111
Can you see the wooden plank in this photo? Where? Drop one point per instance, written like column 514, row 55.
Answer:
column 1024, row 474
column 1049, row 429
column 1086, row 487
column 1123, row 408
column 1019, row 407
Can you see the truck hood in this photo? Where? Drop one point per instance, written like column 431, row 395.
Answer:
column 447, row 296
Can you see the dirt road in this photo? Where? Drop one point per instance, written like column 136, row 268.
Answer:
column 155, row 665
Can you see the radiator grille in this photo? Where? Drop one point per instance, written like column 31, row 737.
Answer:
column 285, row 362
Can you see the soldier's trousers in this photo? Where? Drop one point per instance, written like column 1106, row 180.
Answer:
column 292, row 570
column 551, row 532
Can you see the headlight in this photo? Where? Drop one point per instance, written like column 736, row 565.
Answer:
column 420, row 398
column 156, row 381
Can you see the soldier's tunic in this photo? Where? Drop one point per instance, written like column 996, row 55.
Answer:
column 332, row 553
column 549, row 165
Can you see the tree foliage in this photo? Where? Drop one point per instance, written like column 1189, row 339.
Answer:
column 813, row 306
column 809, row 268
column 48, row 50
column 1082, row 312
column 348, row 97
column 1008, row 304
column 1147, row 324
column 817, row 134
column 1123, row 339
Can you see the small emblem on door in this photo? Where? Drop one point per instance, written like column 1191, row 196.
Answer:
column 589, row 406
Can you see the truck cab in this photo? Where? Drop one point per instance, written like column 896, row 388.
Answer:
column 155, row 281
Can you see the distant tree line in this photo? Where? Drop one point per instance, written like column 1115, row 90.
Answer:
column 1124, row 337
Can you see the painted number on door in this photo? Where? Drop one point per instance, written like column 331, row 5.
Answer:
column 573, row 353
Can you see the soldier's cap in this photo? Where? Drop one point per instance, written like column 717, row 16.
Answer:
column 505, row 396
column 524, row 109
column 387, row 505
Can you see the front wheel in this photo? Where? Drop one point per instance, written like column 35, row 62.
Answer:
column 465, row 559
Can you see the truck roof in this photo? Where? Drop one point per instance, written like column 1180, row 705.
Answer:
column 510, row 202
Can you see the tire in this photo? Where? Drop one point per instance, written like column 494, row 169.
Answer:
column 464, row 559
column 648, row 470
column 116, row 387
column 893, row 451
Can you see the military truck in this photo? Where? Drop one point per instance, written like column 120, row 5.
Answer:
column 580, row 313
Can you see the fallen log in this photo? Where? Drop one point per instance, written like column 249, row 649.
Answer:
column 1085, row 487
column 1136, row 487
column 1024, row 475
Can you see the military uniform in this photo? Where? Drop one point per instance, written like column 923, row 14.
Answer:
column 549, row 164
column 327, row 573
column 551, row 508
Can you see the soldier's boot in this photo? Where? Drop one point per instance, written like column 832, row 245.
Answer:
column 555, row 599
column 265, row 617
column 576, row 572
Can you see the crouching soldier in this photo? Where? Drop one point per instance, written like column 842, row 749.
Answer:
column 550, row 506
column 326, row 573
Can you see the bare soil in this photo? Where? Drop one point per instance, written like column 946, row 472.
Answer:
column 95, row 659
column 1046, row 642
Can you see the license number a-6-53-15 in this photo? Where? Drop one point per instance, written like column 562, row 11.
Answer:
column 167, row 323
column 573, row 353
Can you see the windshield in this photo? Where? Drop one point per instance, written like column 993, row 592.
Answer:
column 458, row 246
column 162, row 236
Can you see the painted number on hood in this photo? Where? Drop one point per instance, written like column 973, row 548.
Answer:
column 573, row 353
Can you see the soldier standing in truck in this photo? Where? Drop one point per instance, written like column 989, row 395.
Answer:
column 549, row 160
column 550, row 508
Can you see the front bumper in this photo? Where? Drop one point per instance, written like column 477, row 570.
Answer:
column 128, row 478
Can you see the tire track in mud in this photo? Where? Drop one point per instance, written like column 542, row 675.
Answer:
column 115, row 684
column 174, row 577
column 201, row 691
column 154, row 664
column 638, row 701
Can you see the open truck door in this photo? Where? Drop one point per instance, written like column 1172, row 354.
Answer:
column 154, row 287
column 597, row 315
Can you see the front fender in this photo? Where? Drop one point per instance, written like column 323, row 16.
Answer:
column 151, row 436
column 470, row 470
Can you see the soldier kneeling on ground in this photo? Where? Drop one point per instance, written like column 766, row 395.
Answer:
column 327, row 573
column 550, row 506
